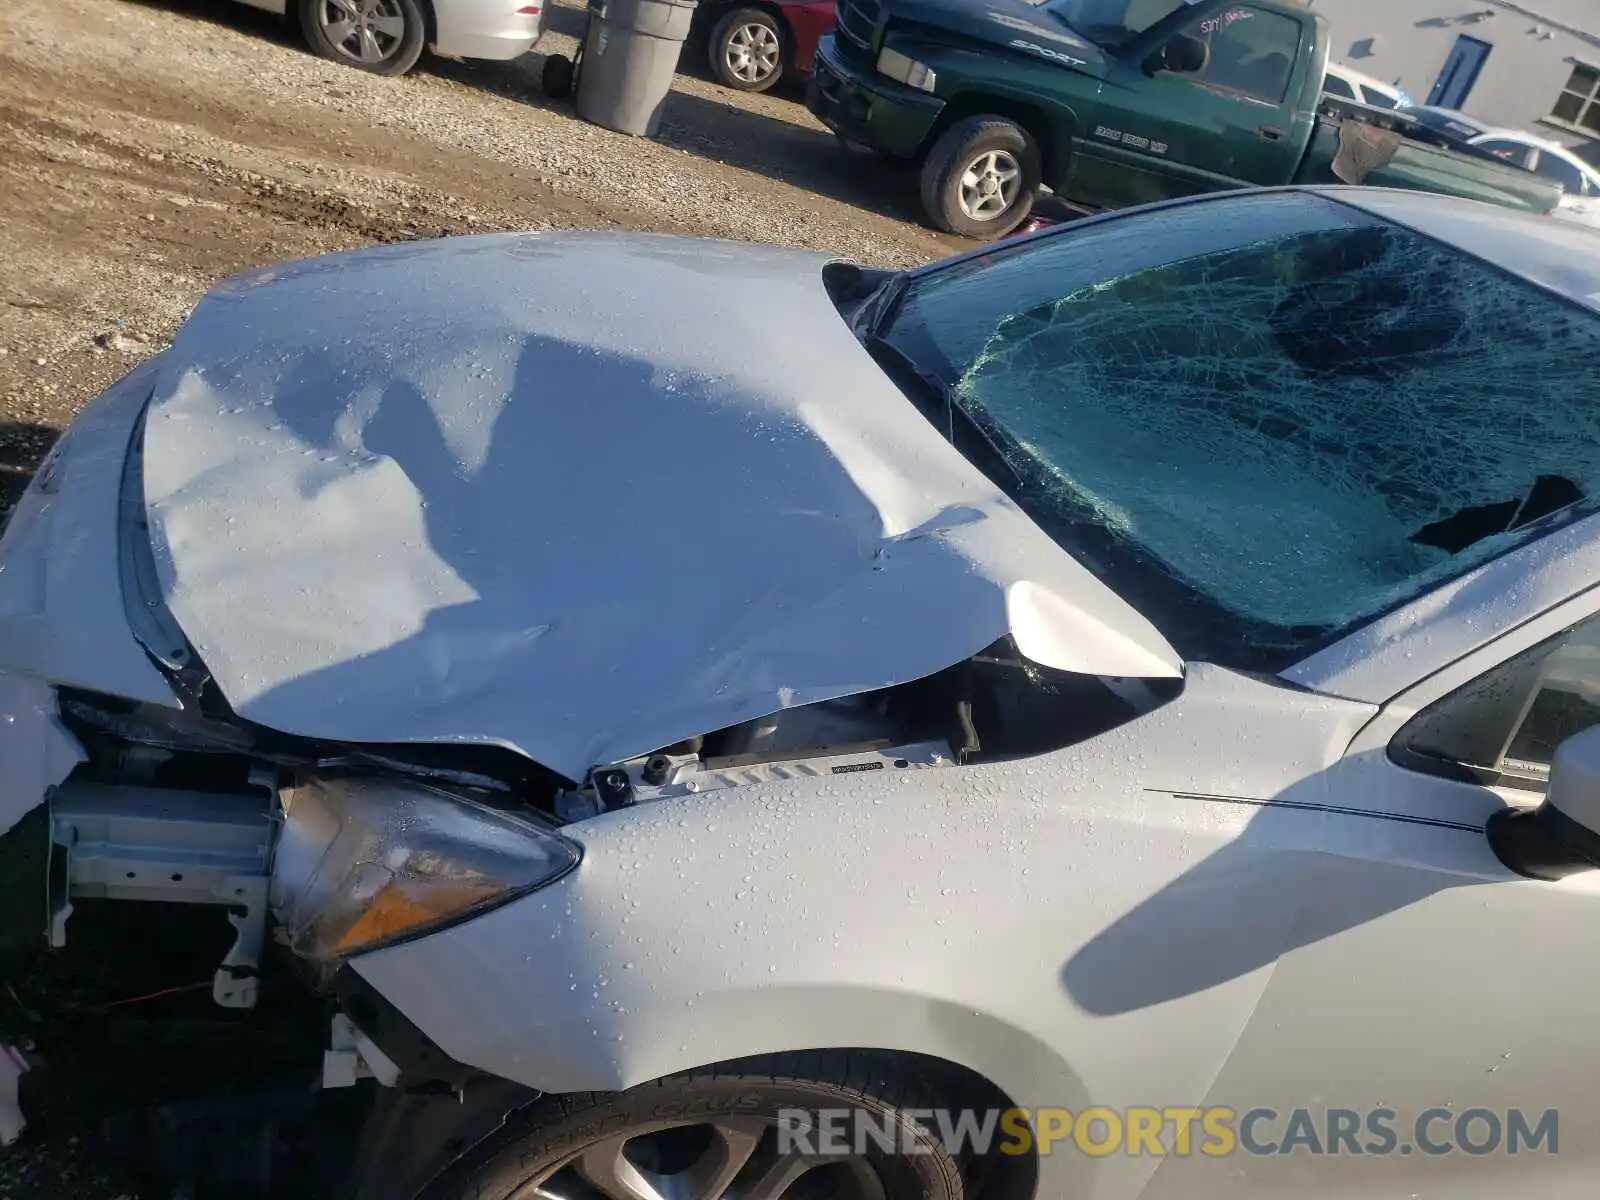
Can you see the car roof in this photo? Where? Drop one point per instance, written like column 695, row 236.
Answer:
column 1354, row 76
column 1561, row 256
column 1544, row 145
column 1521, row 137
column 1452, row 114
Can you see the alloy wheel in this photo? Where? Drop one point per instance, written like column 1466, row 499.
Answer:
column 752, row 52
column 990, row 184
column 364, row 31
column 724, row 1158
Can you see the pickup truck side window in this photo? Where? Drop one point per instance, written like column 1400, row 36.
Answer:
column 1252, row 51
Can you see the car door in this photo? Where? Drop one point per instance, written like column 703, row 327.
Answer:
column 1431, row 1034
column 1553, row 166
column 1156, row 136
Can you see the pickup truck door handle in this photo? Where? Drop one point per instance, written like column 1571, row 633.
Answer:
column 1271, row 132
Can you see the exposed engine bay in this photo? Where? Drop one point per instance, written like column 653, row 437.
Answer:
column 994, row 706
column 330, row 849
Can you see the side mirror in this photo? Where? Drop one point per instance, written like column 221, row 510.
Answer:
column 1182, row 55
column 1562, row 836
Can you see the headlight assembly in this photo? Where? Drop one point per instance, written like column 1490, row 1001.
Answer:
column 363, row 862
column 908, row 71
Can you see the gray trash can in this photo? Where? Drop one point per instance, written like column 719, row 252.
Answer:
column 630, row 52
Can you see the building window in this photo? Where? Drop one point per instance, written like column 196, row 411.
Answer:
column 1579, row 102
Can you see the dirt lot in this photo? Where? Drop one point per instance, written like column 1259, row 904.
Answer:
column 150, row 147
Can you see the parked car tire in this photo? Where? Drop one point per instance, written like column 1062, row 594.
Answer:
column 557, row 76
column 749, row 50
column 981, row 177
column 688, row 1132
column 385, row 37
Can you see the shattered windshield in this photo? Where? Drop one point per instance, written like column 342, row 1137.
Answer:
column 1110, row 24
column 1264, row 420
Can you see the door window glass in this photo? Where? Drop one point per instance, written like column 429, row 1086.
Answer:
column 1251, row 51
column 1376, row 98
column 1504, row 726
column 1515, row 153
column 1335, row 86
column 1553, row 166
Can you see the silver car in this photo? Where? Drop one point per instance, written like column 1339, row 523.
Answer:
column 1109, row 715
column 387, row 37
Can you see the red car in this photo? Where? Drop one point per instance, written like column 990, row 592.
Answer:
column 752, row 45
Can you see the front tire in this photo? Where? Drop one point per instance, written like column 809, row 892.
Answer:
column 706, row 1135
column 749, row 50
column 384, row 37
column 980, row 178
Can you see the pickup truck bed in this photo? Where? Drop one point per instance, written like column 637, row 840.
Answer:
column 1360, row 144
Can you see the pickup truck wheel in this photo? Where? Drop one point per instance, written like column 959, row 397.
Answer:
column 715, row 1135
column 980, row 177
column 749, row 50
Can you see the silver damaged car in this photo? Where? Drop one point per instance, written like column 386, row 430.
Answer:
column 1108, row 715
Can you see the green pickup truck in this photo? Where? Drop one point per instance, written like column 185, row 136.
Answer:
column 1116, row 102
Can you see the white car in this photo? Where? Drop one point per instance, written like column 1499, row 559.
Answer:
column 1579, row 180
column 1350, row 84
column 714, row 722
column 387, row 37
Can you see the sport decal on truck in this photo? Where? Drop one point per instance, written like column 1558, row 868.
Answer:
column 1129, row 139
column 1021, row 44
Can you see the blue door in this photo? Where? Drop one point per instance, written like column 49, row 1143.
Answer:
column 1459, row 73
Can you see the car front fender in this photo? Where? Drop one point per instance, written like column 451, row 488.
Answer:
column 1059, row 925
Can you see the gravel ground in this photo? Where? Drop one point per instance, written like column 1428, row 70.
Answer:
column 150, row 147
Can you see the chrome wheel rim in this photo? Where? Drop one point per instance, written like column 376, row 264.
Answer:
column 723, row 1158
column 990, row 184
column 364, row 31
column 751, row 53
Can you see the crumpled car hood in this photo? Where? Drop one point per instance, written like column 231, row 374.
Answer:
column 578, row 495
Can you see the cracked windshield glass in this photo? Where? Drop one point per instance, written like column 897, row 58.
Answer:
column 1282, row 425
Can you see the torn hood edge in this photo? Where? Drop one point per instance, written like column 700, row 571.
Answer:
column 453, row 491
